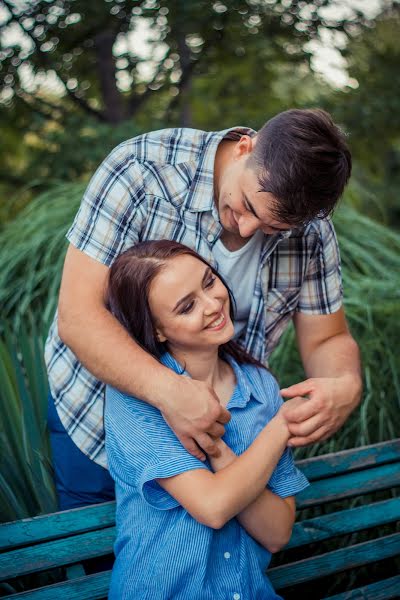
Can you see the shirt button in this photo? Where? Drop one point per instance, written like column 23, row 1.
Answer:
column 236, row 596
column 210, row 237
column 227, row 555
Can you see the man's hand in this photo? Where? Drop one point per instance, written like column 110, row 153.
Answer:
column 326, row 404
column 196, row 416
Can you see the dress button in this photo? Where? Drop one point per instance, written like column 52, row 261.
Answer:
column 227, row 555
column 236, row 596
column 210, row 237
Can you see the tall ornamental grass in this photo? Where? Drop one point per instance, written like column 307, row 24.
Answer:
column 33, row 249
column 26, row 482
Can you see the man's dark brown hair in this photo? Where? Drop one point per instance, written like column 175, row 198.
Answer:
column 302, row 159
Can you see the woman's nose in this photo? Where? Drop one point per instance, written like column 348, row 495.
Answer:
column 212, row 305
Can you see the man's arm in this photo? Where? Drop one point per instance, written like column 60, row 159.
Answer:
column 104, row 347
column 332, row 363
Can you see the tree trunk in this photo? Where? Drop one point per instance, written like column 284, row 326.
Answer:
column 184, row 57
column 114, row 106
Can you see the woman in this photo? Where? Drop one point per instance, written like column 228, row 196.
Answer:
column 188, row 529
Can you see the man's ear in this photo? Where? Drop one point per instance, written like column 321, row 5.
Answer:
column 244, row 146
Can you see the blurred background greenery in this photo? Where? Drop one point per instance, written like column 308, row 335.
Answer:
column 79, row 76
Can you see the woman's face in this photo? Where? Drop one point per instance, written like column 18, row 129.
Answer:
column 190, row 305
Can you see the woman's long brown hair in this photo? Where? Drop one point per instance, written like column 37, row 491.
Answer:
column 128, row 289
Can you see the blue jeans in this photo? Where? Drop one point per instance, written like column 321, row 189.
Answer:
column 79, row 481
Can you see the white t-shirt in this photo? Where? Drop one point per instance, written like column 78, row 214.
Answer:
column 239, row 269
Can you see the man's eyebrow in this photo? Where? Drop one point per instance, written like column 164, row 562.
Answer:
column 185, row 298
column 252, row 209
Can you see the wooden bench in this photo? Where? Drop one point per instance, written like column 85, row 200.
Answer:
column 353, row 477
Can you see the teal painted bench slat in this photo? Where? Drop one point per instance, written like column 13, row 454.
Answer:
column 57, row 553
column 349, row 485
column 83, row 546
column 91, row 587
column 335, row 562
column 350, row 460
column 346, row 521
column 383, row 590
column 65, row 539
column 56, row 525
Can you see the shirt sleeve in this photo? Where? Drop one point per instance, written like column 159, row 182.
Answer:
column 322, row 290
column 141, row 448
column 112, row 211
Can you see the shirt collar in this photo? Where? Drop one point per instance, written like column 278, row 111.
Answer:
column 243, row 390
column 200, row 196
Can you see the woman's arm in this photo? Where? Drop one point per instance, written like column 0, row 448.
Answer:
column 269, row 518
column 215, row 498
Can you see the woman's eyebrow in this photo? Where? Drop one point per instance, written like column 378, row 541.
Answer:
column 185, row 298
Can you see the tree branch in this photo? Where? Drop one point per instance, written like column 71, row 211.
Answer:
column 44, row 61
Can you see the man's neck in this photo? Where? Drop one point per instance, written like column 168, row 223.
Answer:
column 233, row 241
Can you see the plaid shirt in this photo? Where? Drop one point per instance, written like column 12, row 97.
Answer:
column 160, row 185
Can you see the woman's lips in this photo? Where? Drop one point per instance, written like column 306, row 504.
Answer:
column 220, row 323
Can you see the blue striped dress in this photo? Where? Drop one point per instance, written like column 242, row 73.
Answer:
column 161, row 551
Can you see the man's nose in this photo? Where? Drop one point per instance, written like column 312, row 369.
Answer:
column 247, row 226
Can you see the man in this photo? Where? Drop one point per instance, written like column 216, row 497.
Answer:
column 257, row 207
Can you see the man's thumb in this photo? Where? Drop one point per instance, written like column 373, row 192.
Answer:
column 298, row 389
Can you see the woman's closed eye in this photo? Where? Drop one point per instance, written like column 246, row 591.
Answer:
column 187, row 308
column 211, row 281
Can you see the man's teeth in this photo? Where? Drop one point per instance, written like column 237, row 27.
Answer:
column 217, row 321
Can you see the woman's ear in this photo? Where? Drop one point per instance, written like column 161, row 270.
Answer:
column 160, row 336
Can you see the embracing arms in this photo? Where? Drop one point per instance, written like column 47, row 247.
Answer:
column 93, row 334
column 237, row 488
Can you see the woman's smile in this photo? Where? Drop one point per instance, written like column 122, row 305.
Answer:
column 218, row 323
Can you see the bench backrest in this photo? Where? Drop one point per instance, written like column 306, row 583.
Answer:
column 69, row 537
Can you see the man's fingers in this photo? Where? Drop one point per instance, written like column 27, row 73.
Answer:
column 303, row 411
column 193, row 448
column 318, row 436
column 207, row 444
column 306, row 428
column 224, row 416
column 216, row 430
column 298, row 389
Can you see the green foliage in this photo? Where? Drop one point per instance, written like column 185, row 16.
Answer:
column 72, row 83
column 371, row 275
column 33, row 250
column 26, row 486
column 371, row 111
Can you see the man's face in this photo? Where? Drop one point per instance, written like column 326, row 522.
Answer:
column 242, row 208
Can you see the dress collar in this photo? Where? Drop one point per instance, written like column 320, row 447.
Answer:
column 243, row 389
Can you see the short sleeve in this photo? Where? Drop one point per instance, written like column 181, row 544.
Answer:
column 141, row 448
column 112, row 210
column 322, row 291
column 287, row 479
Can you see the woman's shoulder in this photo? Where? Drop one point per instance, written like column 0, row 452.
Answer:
column 124, row 407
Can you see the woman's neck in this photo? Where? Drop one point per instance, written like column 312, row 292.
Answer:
column 203, row 365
